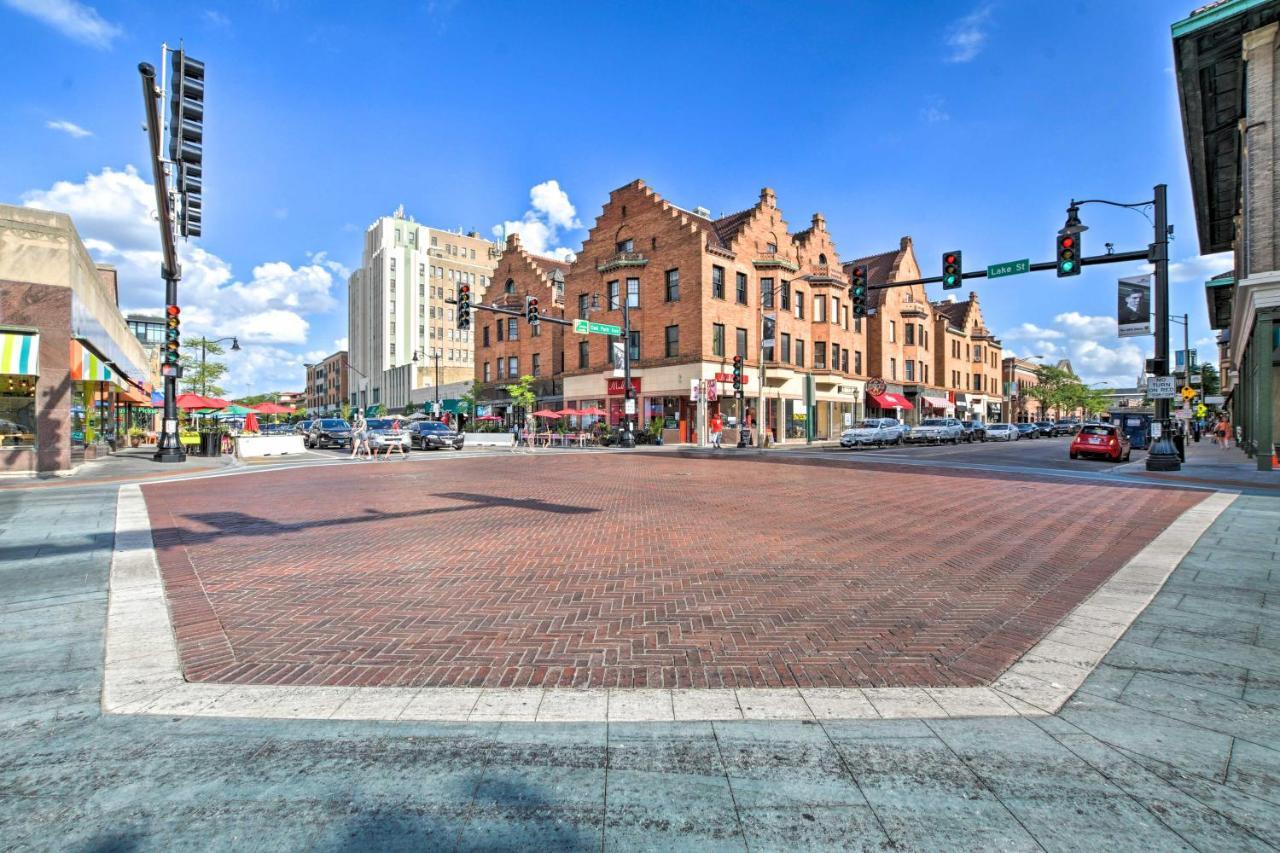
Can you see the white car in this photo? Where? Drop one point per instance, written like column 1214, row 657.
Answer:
column 877, row 431
column 1002, row 432
column 384, row 431
column 936, row 431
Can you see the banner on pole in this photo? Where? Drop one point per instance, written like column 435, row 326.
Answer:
column 1133, row 306
column 770, row 324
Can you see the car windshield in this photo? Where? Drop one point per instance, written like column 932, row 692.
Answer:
column 870, row 424
column 933, row 422
column 1095, row 430
column 1026, row 426
column 333, row 423
column 381, row 423
column 433, row 426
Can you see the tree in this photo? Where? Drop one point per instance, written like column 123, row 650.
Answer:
column 1056, row 388
column 522, row 397
column 409, row 410
column 1211, row 383
column 467, row 400
column 201, row 375
column 346, row 411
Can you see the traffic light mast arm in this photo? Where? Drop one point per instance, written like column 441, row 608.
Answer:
column 1117, row 258
column 167, row 242
column 510, row 312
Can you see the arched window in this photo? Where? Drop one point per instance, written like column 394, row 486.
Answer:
column 822, row 259
column 511, row 286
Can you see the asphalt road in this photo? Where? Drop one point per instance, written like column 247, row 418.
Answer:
column 1036, row 453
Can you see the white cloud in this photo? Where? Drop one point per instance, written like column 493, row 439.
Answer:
column 1200, row 268
column 967, row 36
column 69, row 128
column 550, row 212
column 216, row 19
column 1027, row 331
column 1090, row 343
column 934, row 111
column 340, row 344
column 74, row 20
column 1082, row 327
column 268, row 312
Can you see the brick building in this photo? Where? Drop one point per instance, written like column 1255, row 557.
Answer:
column 968, row 359
column 506, row 347
column 327, row 385
column 697, row 290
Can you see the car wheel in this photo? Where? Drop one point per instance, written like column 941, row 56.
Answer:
column 1127, row 454
column 1074, row 455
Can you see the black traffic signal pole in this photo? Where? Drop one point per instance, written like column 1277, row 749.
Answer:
column 168, row 449
column 1117, row 258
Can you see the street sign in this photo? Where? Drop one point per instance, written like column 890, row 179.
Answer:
column 1215, row 399
column 1009, row 268
column 1188, row 393
column 584, row 327
column 1162, row 388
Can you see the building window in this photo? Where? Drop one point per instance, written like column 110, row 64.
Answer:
column 717, row 282
column 433, row 239
column 582, row 305
column 510, row 286
column 819, row 309
column 742, row 288
column 910, row 367
column 766, row 292
column 740, row 342
column 583, row 354
column 673, row 285
column 627, row 245
column 771, row 248
column 835, row 310
column 893, row 368
column 502, row 368
column 498, row 327
column 835, row 356
column 673, row 341
column 633, row 293
column 857, row 362
column 633, row 344
column 393, row 260
column 844, row 361
column 486, row 335
column 537, row 364
column 612, row 296
column 513, row 328
column 924, row 369
column 799, row 353
column 820, row 355
column 786, row 348
column 924, row 336
column 513, row 367
column 786, row 296
column 893, row 331
column 717, row 339
column 911, row 335
column 800, row 304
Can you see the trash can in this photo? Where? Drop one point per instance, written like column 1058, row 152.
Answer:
column 1180, row 442
column 211, row 444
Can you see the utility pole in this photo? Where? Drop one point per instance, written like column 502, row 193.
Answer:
column 628, row 393
column 1163, row 455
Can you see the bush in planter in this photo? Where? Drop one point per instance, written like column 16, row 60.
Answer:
column 655, row 430
column 136, row 435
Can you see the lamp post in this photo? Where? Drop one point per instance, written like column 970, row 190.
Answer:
column 204, row 345
column 1163, row 455
column 365, row 385
column 436, row 357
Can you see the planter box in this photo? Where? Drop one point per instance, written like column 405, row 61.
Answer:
column 257, row 446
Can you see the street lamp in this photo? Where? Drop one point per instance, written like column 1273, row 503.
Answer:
column 436, row 357
column 1163, row 455
column 204, row 345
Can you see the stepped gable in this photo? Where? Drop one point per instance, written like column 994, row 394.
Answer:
column 627, row 192
column 881, row 268
column 539, row 265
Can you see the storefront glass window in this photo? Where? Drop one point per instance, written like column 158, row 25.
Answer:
column 17, row 411
column 78, row 420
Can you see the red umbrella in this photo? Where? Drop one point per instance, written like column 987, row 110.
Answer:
column 251, row 422
column 593, row 411
column 195, row 401
column 488, row 418
column 565, row 413
column 271, row 408
column 547, row 413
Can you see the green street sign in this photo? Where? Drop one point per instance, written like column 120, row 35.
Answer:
column 1009, row 268
column 583, row 327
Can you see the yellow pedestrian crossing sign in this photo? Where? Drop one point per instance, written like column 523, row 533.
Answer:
column 1188, row 393
column 1201, row 411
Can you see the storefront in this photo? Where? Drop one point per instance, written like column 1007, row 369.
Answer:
column 933, row 406
column 887, row 401
column 19, row 375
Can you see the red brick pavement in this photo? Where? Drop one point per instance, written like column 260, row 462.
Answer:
column 607, row 570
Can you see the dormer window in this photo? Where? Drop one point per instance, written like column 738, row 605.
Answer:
column 511, row 286
column 627, row 245
column 822, row 260
column 771, row 248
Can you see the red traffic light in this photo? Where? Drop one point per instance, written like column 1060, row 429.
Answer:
column 950, row 258
column 172, row 310
column 1068, row 242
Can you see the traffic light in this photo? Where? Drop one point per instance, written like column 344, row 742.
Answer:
column 858, row 291
column 171, row 334
column 952, row 270
column 531, row 310
column 464, row 307
column 1068, row 254
column 737, row 374
column 186, row 138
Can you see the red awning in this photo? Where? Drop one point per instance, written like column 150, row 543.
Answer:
column 889, row 400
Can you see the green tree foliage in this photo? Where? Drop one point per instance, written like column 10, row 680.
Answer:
column 523, row 397
column 1212, row 382
column 202, row 379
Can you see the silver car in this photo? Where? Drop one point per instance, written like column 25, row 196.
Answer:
column 1002, row 432
column 384, row 432
column 876, row 431
column 936, row 431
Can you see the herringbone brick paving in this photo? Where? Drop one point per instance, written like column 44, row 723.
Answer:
column 632, row 571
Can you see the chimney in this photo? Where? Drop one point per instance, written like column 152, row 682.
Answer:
column 768, row 198
column 513, row 240
column 819, row 222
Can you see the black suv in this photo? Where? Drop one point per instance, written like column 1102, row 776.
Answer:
column 972, row 431
column 433, row 435
column 329, row 432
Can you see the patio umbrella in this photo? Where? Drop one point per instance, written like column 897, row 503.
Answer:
column 566, row 413
column 272, row 408
column 195, row 401
column 598, row 412
column 547, row 413
column 251, row 422
column 488, row 418
column 236, row 409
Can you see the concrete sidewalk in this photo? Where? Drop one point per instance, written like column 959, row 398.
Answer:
column 1170, row 744
column 1210, row 464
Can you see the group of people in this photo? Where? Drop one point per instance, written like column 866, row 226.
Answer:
column 360, row 448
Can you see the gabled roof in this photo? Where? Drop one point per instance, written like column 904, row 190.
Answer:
column 546, row 265
column 728, row 227
column 955, row 312
column 881, row 269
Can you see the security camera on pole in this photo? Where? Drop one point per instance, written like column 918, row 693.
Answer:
column 179, row 208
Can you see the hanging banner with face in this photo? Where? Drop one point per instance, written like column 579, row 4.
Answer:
column 770, row 324
column 1133, row 306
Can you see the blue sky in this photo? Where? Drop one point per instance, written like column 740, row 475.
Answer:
column 964, row 124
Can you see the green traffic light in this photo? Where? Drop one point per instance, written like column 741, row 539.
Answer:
column 1068, row 266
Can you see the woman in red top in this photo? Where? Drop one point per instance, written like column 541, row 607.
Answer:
column 717, row 430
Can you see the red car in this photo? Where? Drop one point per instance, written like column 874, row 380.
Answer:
column 1108, row 442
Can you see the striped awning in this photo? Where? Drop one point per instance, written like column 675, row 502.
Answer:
column 87, row 366
column 20, row 353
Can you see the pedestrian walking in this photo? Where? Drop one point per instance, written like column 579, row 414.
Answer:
column 360, row 437
column 1222, row 430
column 717, row 430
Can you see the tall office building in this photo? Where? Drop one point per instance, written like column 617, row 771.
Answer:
column 402, row 334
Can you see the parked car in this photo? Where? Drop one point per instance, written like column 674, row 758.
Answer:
column 302, row 428
column 1027, row 430
column 1045, row 428
column 275, row 429
column 1069, row 426
column 1105, row 440
column 877, row 431
column 386, row 431
column 329, row 432
column 1002, row 432
column 936, row 431
column 433, row 435
column 973, row 431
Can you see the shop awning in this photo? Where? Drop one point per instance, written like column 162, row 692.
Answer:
column 935, row 402
column 134, row 396
column 20, row 353
column 87, row 366
column 889, row 400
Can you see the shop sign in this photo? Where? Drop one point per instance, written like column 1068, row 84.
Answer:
column 728, row 377
column 695, row 385
column 876, row 387
column 616, row 386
